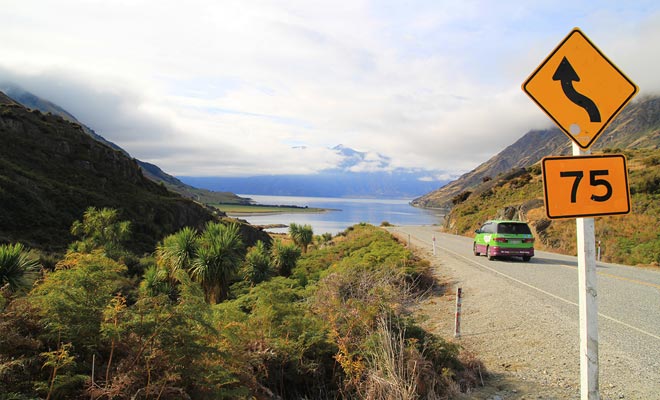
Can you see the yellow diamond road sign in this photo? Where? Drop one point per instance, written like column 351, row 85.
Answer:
column 579, row 88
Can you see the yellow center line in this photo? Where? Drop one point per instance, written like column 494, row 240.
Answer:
column 621, row 278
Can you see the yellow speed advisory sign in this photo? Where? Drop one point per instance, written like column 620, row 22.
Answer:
column 585, row 186
column 579, row 88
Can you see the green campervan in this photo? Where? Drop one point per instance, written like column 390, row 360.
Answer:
column 498, row 238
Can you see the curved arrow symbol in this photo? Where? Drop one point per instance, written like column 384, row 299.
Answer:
column 567, row 75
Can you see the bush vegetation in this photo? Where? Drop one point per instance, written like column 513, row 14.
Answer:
column 207, row 318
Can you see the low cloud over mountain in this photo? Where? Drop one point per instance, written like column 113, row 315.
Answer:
column 357, row 174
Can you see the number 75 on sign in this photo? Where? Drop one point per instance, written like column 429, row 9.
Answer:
column 585, row 186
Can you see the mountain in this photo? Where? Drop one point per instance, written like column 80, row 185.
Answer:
column 150, row 171
column 358, row 175
column 51, row 171
column 638, row 126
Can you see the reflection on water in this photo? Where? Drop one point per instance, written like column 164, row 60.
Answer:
column 348, row 212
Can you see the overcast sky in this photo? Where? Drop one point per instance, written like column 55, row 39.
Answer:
column 228, row 88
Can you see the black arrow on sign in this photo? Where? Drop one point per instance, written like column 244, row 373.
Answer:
column 567, row 75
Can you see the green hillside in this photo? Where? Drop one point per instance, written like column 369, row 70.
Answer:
column 51, row 171
column 149, row 170
column 203, row 196
column 629, row 239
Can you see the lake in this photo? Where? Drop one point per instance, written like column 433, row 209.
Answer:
column 348, row 212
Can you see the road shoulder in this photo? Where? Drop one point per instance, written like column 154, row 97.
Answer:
column 507, row 332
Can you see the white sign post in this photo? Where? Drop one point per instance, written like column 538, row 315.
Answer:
column 588, row 305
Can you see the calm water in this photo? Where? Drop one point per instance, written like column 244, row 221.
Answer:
column 349, row 212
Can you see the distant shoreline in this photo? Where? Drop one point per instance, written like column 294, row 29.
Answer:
column 242, row 210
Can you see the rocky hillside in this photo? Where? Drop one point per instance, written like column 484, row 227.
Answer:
column 51, row 171
column 630, row 239
column 638, row 126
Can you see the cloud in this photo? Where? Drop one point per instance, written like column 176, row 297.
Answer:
column 440, row 177
column 117, row 108
column 230, row 88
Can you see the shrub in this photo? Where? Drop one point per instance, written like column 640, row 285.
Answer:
column 257, row 265
column 18, row 268
column 71, row 299
column 362, row 298
column 535, row 169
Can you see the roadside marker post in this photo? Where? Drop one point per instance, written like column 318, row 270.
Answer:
column 433, row 244
column 457, row 321
column 582, row 92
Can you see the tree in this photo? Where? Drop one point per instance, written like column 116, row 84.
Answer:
column 209, row 258
column 219, row 256
column 72, row 298
column 326, row 237
column 177, row 252
column 100, row 228
column 17, row 268
column 257, row 266
column 285, row 257
column 155, row 281
column 302, row 235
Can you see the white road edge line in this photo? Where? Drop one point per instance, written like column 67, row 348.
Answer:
column 550, row 294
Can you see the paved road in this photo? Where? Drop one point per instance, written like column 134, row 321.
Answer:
column 628, row 297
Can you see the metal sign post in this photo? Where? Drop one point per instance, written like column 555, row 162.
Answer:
column 588, row 305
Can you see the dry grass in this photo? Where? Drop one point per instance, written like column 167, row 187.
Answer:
column 397, row 370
